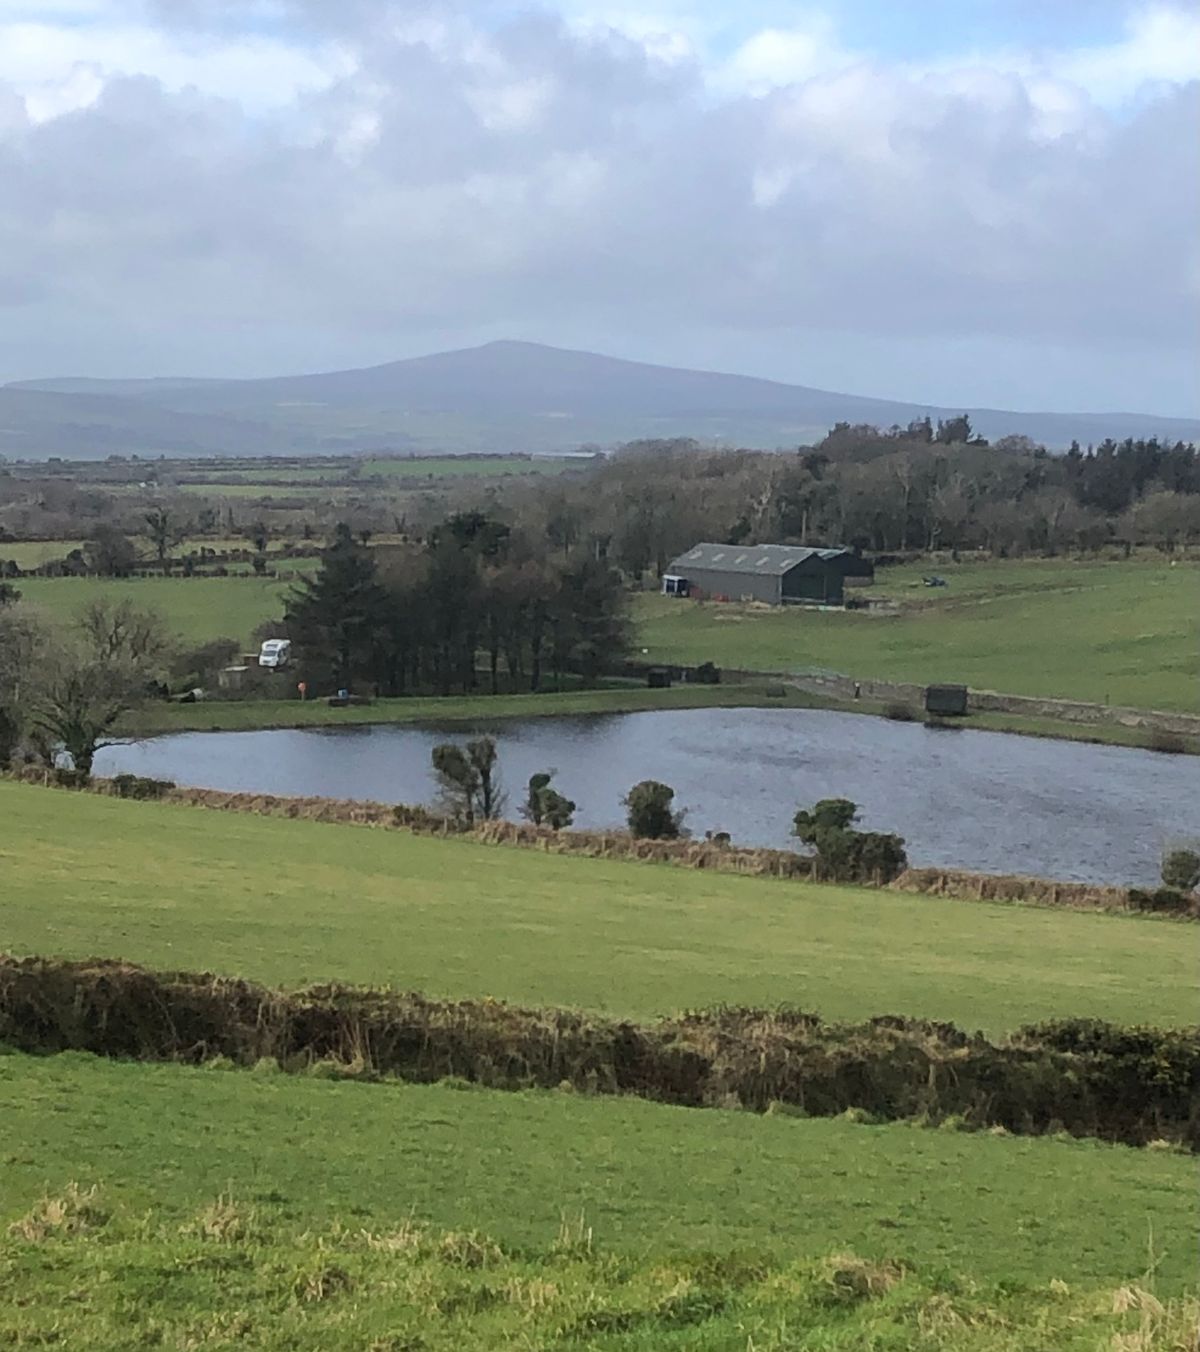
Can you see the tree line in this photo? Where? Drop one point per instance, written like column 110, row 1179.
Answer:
column 895, row 491
column 422, row 617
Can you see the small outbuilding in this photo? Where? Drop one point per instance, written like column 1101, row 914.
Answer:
column 946, row 700
column 778, row 575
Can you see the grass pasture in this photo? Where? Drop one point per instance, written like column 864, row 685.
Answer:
column 465, row 467
column 293, row 902
column 196, row 609
column 166, row 1140
column 253, row 1208
column 1119, row 633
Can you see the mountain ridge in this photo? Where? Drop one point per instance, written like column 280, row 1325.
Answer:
column 506, row 395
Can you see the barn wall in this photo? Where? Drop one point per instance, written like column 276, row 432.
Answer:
column 714, row 582
column 813, row 580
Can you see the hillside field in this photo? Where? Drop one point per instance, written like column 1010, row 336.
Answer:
column 295, row 902
column 1116, row 633
column 253, row 1208
column 196, row 609
column 1121, row 633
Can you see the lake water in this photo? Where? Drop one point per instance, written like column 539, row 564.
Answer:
column 991, row 802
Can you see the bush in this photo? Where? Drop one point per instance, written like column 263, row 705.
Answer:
column 1169, row 743
column 846, row 855
column 200, row 665
column 1181, row 870
column 899, row 713
column 648, row 811
column 137, row 786
column 707, row 674
column 545, row 806
column 1165, row 900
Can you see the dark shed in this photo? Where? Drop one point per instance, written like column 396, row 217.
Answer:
column 776, row 574
column 946, row 699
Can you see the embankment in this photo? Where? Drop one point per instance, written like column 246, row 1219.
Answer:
column 699, row 854
column 1126, row 1085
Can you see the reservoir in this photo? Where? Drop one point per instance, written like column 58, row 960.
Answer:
column 989, row 802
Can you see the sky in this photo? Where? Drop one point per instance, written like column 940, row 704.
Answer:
column 962, row 202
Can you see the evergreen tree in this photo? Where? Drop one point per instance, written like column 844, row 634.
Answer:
column 337, row 619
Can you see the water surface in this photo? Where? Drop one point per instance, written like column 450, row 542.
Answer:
column 992, row 802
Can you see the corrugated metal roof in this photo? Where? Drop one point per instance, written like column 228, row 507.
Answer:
column 763, row 560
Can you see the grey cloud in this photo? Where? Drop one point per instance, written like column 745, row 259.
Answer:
column 545, row 176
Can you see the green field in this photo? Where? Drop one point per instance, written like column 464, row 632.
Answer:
column 326, row 1181
column 644, row 1175
column 1118, row 633
column 250, row 489
column 237, row 1209
column 295, row 902
column 461, row 467
column 33, row 553
column 196, row 609
column 1121, row 633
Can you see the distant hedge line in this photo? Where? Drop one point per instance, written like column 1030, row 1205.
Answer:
column 1129, row 1085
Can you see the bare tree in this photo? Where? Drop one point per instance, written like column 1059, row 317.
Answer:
column 165, row 532
column 21, row 641
column 97, row 672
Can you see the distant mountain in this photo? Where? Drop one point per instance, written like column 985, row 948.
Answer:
column 504, row 396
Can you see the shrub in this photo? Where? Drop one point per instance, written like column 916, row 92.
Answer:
column 844, row 854
column 837, row 814
column 648, row 811
column 200, row 665
column 1169, row 743
column 1181, row 870
column 707, row 674
column 545, row 806
column 137, row 786
column 898, row 712
column 1163, row 899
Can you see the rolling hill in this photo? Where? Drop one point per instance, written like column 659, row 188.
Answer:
column 503, row 396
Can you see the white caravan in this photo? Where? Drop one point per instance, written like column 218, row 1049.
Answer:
column 275, row 652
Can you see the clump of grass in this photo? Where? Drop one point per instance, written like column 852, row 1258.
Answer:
column 574, row 1238
column 468, row 1249
column 321, row 1281
column 408, row 1237
column 846, row 1279
column 225, row 1221
column 75, row 1211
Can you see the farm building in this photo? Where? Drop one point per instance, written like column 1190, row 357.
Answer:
column 777, row 574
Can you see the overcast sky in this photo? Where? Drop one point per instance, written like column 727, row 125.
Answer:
column 959, row 201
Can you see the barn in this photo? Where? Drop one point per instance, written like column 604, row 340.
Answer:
column 780, row 575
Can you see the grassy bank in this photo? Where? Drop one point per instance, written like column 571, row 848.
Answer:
column 260, row 1285
column 304, row 1152
column 474, row 710
column 480, row 710
column 1110, row 633
column 292, row 902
